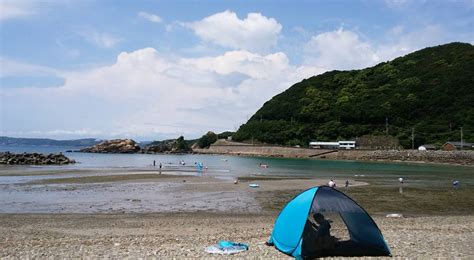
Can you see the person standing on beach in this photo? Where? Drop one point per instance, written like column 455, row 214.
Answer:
column 332, row 184
column 400, row 180
column 154, row 163
column 160, row 166
column 347, row 184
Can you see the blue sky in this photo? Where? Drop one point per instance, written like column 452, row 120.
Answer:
column 159, row 69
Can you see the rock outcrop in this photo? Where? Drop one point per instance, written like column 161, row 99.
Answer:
column 114, row 146
column 34, row 159
column 169, row 146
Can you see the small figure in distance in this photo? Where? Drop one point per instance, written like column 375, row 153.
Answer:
column 455, row 184
column 332, row 184
column 400, row 180
column 347, row 184
column 154, row 163
column 263, row 165
column 160, row 166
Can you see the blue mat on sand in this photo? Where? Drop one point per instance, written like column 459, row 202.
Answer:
column 225, row 247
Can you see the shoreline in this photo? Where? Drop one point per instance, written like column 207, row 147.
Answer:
column 432, row 157
column 454, row 158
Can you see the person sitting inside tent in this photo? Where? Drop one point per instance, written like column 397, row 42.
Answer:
column 317, row 237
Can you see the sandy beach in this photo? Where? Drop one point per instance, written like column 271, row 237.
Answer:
column 198, row 211
column 186, row 235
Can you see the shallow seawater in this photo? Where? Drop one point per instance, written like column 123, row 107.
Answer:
column 117, row 198
column 427, row 188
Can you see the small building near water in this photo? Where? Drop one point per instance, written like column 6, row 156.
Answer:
column 453, row 146
column 333, row 145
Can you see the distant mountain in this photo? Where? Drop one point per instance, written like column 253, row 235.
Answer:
column 430, row 91
column 4, row 140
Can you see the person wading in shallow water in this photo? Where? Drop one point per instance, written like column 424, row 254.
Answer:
column 401, row 180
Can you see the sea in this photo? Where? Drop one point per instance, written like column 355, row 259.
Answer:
column 236, row 166
column 17, row 196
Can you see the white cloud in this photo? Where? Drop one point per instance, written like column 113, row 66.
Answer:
column 400, row 43
column 76, row 133
column 103, row 40
column 340, row 49
column 256, row 32
column 344, row 49
column 146, row 95
column 16, row 9
column 150, row 17
column 251, row 64
column 15, row 68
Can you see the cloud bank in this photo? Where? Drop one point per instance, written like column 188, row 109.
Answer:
column 145, row 94
column 148, row 94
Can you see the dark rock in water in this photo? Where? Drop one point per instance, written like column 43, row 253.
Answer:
column 114, row 146
column 34, row 159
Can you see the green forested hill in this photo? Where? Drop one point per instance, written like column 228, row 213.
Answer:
column 431, row 90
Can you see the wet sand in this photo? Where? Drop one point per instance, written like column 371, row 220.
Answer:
column 140, row 191
column 192, row 212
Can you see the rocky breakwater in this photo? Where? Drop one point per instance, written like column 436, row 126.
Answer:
column 34, row 159
column 114, row 146
column 451, row 157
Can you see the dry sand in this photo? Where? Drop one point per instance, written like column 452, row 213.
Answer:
column 186, row 235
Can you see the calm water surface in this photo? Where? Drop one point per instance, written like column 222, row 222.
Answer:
column 16, row 197
column 232, row 166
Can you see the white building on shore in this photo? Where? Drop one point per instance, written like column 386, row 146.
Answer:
column 333, row 145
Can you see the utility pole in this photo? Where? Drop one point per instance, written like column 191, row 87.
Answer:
column 386, row 126
column 461, row 139
column 413, row 138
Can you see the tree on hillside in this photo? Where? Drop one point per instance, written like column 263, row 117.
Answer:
column 206, row 140
column 181, row 145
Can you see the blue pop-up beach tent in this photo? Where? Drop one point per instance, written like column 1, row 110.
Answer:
column 365, row 238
